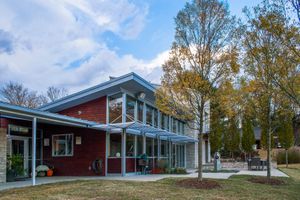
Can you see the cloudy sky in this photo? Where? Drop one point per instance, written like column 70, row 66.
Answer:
column 79, row 43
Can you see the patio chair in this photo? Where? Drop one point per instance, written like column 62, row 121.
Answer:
column 255, row 162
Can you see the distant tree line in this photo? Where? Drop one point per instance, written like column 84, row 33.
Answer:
column 17, row 94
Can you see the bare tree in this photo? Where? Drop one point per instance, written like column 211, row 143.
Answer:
column 17, row 94
column 296, row 6
column 54, row 93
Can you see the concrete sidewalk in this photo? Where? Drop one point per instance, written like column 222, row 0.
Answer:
column 154, row 177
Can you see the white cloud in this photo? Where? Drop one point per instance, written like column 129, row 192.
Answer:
column 50, row 36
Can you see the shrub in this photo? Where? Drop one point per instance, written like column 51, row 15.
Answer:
column 177, row 170
column 293, row 156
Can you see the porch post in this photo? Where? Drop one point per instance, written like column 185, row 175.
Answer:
column 107, row 151
column 144, row 143
column 123, row 157
column 135, row 151
column 33, row 160
column 184, row 155
column 153, row 154
column 170, row 153
column 158, row 147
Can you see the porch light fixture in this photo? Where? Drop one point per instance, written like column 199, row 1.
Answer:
column 141, row 95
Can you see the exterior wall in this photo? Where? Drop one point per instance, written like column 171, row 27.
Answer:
column 114, row 165
column 190, row 156
column 3, row 143
column 94, row 110
column 92, row 147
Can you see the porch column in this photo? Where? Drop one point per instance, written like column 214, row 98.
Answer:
column 158, row 147
column 144, row 143
column 170, row 153
column 153, row 154
column 33, row 150
column 184, row 155
column 123, row 157
column 107, row 151
column 135, row 151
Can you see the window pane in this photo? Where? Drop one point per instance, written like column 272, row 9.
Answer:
column 155, row 122
column 174, row 122
column 69, row 143
column 59, row 145
column 162, row 121
column 130, row 105
column 62, row 145
column 164, row 148
column 155, row 148
column 140, row 111
column 115, row 108
column 115, row 145
column 139, row 145
column 129, row 145
column 149, row 115
column 166, row 122
column 149, row 147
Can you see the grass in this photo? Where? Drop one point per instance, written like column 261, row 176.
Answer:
column 237, row 187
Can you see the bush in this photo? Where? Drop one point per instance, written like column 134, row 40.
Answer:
column 293, row 156
column 177, row 170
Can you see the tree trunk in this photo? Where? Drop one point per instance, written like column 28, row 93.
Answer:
column 200, row 156
column 286, row 158
column 269, row 142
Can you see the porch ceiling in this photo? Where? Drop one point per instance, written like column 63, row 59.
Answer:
column 140, row 129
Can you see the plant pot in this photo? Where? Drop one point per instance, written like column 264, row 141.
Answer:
column 156, row 171
column 50, row 172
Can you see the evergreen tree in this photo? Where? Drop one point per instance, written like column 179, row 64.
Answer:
column 232, row 137
column 286, row 135
column 248, row 138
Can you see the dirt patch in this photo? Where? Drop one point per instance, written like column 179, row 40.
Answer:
column 265, row 180
column 194, row 183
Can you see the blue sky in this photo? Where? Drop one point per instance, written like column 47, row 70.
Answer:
column 79, row 43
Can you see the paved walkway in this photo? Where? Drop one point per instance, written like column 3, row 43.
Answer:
column 156, row 177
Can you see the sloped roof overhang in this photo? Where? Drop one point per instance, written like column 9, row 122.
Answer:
column 138, row 128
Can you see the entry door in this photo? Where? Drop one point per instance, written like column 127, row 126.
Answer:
column 19, row 145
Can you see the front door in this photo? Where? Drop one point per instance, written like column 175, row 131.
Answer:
column 19, row 146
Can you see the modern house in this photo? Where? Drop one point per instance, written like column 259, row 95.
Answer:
column 110, row 124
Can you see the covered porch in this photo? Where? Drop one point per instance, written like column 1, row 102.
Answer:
column 127, row 142
column 42, row 138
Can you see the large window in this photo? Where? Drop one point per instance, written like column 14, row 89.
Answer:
column 140, row 111
column 155, row 148
column 164, row 148
column 115, row 108
column 130, row 105
column 149, row 115
column 129, row 145
column 174, row 125
column 139, row 145
column 115, row 145
column 62, row 145
column 149, row 147
column 155, row 117
column 164, row 124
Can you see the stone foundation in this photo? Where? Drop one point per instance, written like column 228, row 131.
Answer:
column 3, row 149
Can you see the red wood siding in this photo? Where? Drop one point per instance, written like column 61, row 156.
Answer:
column 80, row 164
column 94, row 110
column 3, row 123
column 114, row 165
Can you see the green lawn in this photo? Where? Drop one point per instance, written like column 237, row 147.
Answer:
column 236, row 187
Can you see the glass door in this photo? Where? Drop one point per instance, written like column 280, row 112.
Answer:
column 19, row 146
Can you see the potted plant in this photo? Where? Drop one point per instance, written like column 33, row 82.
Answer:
column 15, row 167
